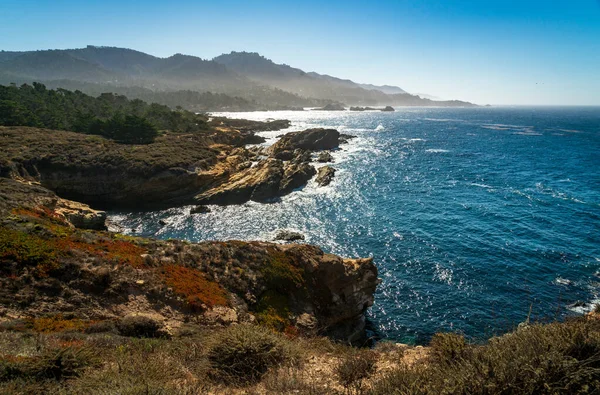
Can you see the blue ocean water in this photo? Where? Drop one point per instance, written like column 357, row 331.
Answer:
column 475, row 217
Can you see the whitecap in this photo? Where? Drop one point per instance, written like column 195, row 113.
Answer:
column 398, row 236
column 482, row 185
column 563, row 281
column 436, row 150
column 379, row 128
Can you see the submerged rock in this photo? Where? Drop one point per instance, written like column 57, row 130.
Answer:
column 345, row 137
column 288, row 235
column 325, row 175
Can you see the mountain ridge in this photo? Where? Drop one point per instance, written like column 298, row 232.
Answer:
column 245, row 75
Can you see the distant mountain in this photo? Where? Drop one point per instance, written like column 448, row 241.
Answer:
column 282, row 76
column 246, row 79
column 388, row 89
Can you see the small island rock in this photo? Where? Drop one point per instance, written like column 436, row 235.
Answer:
column 288, row 235
column 325, row 175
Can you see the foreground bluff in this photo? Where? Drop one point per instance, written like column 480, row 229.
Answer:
column 203, row 167
column 48, row 266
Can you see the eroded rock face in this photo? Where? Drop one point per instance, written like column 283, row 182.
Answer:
column 36, row 199
column 81, row 215
column 268, row 179
column 325, row 175
column 340, row 291
column 310, row 139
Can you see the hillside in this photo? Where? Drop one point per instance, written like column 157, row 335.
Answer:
column 320, row 86
column 240, row 76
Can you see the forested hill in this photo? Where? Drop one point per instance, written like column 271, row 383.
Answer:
column 109, row 115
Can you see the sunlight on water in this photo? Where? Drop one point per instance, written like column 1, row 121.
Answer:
column 471, row 215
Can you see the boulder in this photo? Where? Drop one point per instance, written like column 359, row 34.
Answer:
column 325, row 175
column 199, row 210
column 288, row 235
column 325, row 157
column 310, row 139
column 388, row 109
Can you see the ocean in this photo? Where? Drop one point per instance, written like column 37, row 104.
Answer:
column 477, row 218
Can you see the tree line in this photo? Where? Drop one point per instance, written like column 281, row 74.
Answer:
column 108, row 115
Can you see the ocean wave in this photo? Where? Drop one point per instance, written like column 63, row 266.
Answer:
column 563, row 281
column 475, row 184
column 412, row 140
column 436, row 150
column 379, row 128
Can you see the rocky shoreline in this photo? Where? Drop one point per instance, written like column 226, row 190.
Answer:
column 80, row 269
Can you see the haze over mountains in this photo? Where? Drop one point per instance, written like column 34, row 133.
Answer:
column 235, row 81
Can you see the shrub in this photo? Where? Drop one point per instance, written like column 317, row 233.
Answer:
column 448, row 346
column 281, row 271
column 101, row 327
column 55, row 364
column 356, row 367
column 244, row 353
column 192, row 285
column 28, row 250
column 537, row 359
column 139, row 326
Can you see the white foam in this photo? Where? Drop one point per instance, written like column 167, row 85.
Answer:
column 482, row 185
column 379, row 128
column 436, row 150
column 563, row 281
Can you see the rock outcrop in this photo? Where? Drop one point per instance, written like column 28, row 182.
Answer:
column 324, row 157
column 32, row 198
column 311, row 139
column 266, row 180
column 388, row 109
column 333, row 107
column 325, row 175
column 288, row 235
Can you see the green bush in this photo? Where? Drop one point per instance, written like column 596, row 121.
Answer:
column 139, row 326
column 244, row 353
column 448, row 346
column 356, row 367
column 52, row 364
column 558, row 358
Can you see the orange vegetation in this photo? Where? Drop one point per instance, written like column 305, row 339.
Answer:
column 44, row 254
column 191, row 284
column 40, row 213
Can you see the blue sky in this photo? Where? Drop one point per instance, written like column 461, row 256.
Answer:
column 485, row 51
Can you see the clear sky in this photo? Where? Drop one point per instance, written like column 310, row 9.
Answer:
column 484, row 51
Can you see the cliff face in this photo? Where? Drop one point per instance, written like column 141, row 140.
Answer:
column 209, row 167
column 48, row 266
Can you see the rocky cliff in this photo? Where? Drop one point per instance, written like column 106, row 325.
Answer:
column 204, row 167
column 49, row 265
